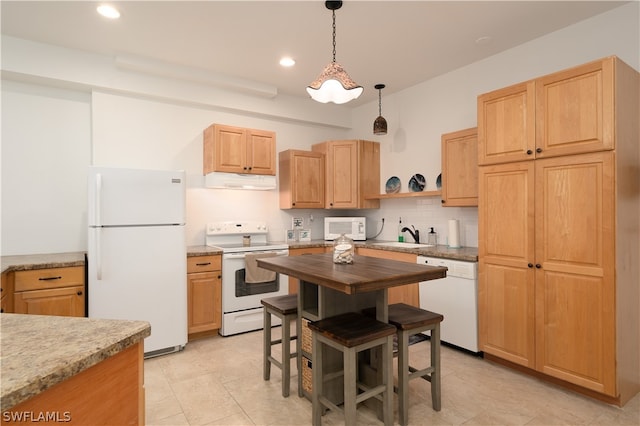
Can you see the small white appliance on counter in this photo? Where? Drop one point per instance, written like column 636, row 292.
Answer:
column 137, row 260
column 353, row 227
column 244, row 285
column 455, row 297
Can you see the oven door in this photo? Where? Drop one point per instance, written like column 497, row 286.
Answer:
column 237, row 295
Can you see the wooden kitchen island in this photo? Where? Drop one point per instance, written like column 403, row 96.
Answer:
column 328, row 289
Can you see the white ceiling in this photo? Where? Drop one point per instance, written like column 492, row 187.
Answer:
column 398, row 43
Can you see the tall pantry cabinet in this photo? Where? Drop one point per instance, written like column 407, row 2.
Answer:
column 559, row 202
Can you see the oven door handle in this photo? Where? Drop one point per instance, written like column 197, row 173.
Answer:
column 241, row 255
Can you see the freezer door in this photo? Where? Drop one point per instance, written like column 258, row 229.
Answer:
column 135, row 197
column 143, row 274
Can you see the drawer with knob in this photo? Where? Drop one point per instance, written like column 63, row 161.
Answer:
column 51, row 291
column 204, row 263
column 40, row 279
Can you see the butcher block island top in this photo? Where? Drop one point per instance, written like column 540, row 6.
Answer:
column 43, row 355
column 365, row 274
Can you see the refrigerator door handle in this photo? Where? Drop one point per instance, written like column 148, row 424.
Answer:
column 98, row 201
column 98, row 252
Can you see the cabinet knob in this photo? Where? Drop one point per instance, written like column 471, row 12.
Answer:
column 442, row 201
column 530, row 265
column 219, row 276
column 529, row 152
column 79, row 293
column 1, row 310
column 538, row 150
column 538, row 265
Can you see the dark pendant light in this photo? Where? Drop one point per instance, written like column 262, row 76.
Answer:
column 334, row 84
column 380, row 125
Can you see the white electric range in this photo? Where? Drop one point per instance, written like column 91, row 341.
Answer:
column 241, row 307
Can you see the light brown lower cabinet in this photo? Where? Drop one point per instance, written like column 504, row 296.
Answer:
column 109, row 393
column 52, row 291
column 408, row 293
column 204, row 293
column 558, row 291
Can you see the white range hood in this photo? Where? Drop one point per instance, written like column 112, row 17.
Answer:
column 240, row 181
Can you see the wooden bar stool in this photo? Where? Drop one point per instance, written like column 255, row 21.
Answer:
column 350, row 334
column 285, row 308
column 410, row 321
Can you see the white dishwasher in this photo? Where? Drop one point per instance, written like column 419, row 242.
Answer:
column 455, row 297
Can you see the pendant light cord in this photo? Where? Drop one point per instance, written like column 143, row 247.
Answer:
column 334, row 36
column 380, row 102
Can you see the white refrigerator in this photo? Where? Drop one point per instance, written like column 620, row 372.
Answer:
column 137, row 261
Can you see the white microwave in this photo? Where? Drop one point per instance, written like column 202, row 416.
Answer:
column 353, row 227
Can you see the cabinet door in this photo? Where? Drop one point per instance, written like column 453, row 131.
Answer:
column 575, row 249
column 294, row 282
column 7, row 292
column 301, row 180
column 506, row 124
column 575, row 110
column 230, row 149
column 65, row 301
column 5, row 306
column 506, row 303
column 204, row 301
column 261, row 152
column 408, row 293
column 460, row 168
column 342, row 174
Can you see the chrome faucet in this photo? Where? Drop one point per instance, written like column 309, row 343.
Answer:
column 415, row 233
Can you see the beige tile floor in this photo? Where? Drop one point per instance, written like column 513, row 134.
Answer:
column 218, row 381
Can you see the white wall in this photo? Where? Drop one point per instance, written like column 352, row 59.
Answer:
column 418, row 116
column 50, row 135
column 45, row 150
column 142, row 133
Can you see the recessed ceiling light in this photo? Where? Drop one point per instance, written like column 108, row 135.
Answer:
column 287, row 62
column 108, row 11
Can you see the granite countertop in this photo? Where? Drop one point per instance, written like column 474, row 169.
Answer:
column 467, row 254
column 202, row 250
column 39, row 351
column 29, row 262
column 61, row 260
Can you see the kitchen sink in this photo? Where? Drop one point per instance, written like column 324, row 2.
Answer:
column 402, row 245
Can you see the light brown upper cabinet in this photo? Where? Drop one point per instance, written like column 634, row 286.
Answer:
column 558, row 237
column 301, row 179
column 567, row 112
column 460, row 168
column 352, row 171
column 239, row 150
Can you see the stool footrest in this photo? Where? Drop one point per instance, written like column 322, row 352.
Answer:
column 278, row 341
column 369, row 392
column 425, row 373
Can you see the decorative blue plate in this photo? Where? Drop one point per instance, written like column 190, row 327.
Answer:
column 417, row 183
column 439, row 181
column 393, row 185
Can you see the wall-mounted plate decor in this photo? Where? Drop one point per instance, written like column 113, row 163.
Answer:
column 417, row 183
column 439, row 181
column 393, row 185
